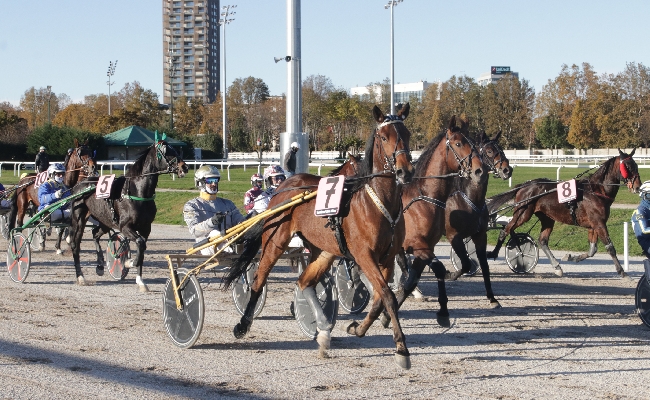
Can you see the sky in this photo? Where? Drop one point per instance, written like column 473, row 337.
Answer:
column 68, row 44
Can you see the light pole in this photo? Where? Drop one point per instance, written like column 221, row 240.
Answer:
column 391, row 4
column 223, row 21
column 49, row 96
column 111, row 72
column 172, row 75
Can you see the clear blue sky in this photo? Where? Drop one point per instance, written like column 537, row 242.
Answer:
column 68, row 43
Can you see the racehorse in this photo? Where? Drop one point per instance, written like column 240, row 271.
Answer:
column 369, row 229
column 349, row 168
column 466, row 214
column 448, row 155
column 130, row 209
column 78, row 166
column 596, row 194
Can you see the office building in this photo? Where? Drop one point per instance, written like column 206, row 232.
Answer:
column 494, row 75
column 403, row 91
column 191, row 43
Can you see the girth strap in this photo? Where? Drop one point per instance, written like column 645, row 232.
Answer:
column 335, row 223
column 428, row 199
column 380, row 206
column 136, row 198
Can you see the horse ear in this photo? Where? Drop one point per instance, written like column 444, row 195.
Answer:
column 377, row 114
column 620, row 153
column 496, row 137
column 452, row 123
column 632, row 153
column 164, row 136
column 155, row 137
column 404, row 112
column 76, row 142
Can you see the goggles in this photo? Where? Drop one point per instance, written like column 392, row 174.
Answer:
column 279, row 178
column 59, row 173
column 211, row 181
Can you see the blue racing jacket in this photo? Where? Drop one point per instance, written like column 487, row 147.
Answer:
column 46, row 193
column 641, row 225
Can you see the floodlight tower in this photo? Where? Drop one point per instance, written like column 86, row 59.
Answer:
column 110, row 73
column 391, row 4
column 223, row 21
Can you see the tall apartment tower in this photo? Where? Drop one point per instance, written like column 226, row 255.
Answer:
column 191, row 43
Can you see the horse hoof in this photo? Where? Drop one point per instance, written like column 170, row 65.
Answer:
column 350, row 328
column 494, row 303
column 624, row 275
column 67, row 239
column 99, row 270
column 239, row 331
column 59, row 252
column 41, row 247
column 323, row 339
column 443, row 320
column 322, row 353
column 403, row 361
column 385, row 321
column 81, row 281
column 143, row 288
column 567, row 257
column 125, row 272
column 558, row 271
column 455, row 275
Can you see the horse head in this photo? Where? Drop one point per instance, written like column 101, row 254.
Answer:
column 493, row 155
column 465, row 157
column 393, row 143
column 80, row 164
column 629, row 171
column 169, row 159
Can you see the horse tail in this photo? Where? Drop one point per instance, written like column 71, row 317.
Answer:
column 252, row 241
column 13, row 210
column 496, row 201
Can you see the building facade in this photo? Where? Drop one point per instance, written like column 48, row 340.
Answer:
column 191, row 43
column 403, row 91
column 495, row 74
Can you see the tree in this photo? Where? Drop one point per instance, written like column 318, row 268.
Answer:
column 509, row 109
column 551, row 133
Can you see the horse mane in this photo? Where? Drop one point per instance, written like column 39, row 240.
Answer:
column 427, row 155
column 600, row 173
column 138, row 164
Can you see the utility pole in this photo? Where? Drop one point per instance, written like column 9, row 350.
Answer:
column 110, row 73
column 49, row 96
column 225, row 20
column 172, row 74
column 391, row 4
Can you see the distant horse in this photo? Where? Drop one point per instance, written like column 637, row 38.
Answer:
column 466, row 214
column 448, row 155
column 369, row 228
column 78, row 166
column 130, row 209
column 591, row 209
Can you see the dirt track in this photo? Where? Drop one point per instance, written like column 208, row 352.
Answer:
column 571, row 337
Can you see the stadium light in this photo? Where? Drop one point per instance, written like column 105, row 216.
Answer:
column 391, row 4
column 223, row 21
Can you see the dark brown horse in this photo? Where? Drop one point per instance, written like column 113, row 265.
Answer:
column 372, row 230
column 448, row 155
column 466, row 214
column 591, row 209
column 78, row 166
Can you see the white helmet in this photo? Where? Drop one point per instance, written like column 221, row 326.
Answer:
column 271, row 171
column 295, row 145
column 203, row 173
column 56, row 167
column 644, row 190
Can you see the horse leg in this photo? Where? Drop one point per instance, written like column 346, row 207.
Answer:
column 98, row 231
column 480, row 243
column 59, row 237
column 383, row 296
column 137, row 261
column 502, row 238
column 603, row 234
column 307, row 283
column 77, row 230
column 458, row 244
column 547, row 228
column 593, row 248
column 519, row 217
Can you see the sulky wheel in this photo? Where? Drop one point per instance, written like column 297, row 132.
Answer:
column 326, row 296
column 19, row 257
column 642, row 299
column 241, row 291
column 522, row 253
column 471, row 252
column 117, row 252
column 37, row 237
column 184, row 326
column 352, row 291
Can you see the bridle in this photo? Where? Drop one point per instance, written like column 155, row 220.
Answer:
column 494, row 166
column 390, row 162
column 627, row 177
column 464, row 163
column 85, row 162
column 161, row 154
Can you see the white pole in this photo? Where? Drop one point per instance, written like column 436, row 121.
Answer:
column 626, row 263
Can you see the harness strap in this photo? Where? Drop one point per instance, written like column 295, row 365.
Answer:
column 380, row 206
column 335, row 223
column 468, row 201
column 428, row 199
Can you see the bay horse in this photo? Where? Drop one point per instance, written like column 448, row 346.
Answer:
column 466, row 214
column 370, row 230
column 446, row 156
column 130, row 209
column 78, row 166
column 596, row 194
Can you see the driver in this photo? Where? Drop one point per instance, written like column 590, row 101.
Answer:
column 641, row 219
column 273, row 176
column 54, row 190
column 209, row 216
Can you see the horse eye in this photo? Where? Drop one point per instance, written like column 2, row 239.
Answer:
column 383, row 139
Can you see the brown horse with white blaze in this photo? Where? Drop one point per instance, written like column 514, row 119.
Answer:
column 371, row 227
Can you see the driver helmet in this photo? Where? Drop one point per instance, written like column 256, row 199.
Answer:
column 256, row 180
column 295, row 146
column 273, row 171
column 70, row 150
column 53, row 169
column 644, row 190
column 208, row 173
column 41, row 148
